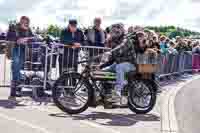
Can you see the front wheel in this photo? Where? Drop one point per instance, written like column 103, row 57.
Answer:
column 71, row 93
column 142, row 97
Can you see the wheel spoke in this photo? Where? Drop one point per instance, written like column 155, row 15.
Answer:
column 81, row 97
column 78, row 87
column 141, row 95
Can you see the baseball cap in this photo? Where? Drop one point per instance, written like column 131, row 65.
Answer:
column 73, row 22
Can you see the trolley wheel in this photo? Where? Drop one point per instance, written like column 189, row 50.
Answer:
column 37, row 89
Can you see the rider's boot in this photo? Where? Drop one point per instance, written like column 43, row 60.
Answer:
column 116, row 95
column 107, row 101
column 112, row 100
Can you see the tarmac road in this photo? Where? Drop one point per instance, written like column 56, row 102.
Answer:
column 187, row 108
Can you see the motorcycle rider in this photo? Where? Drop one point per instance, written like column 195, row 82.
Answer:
column 123, row 56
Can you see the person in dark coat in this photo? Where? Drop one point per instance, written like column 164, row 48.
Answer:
column 74, row 38
column 18, row 34
column 96, row 37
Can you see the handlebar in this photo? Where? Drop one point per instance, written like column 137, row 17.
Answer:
column 91, row 59
column 71, row 46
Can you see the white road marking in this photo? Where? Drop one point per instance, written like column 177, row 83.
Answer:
column 24, row 123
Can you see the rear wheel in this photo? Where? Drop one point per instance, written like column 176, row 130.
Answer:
column 71, row 93
column 142, row 97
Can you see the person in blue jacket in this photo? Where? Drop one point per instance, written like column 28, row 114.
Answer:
column 74, row 37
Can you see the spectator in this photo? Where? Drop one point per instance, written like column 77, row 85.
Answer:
column 163, row 46
column 2, row 47
column 131, row 29
column 196, row 48
column 172, row 48
column 73, row 37
column 107, row 31
column 178, row 39
column 2, row 36
column 189, row 45
column 167, row 42
column 96, row 36
column 154, row 44
column 18, row 34
column 181, row 46
column 141, row 46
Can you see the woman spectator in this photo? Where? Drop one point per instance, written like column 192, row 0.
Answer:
column 163, row 46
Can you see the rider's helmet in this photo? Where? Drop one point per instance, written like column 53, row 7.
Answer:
column 117, row 31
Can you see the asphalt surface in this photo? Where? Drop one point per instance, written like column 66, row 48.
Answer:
column 42, row 116
column 187, row 108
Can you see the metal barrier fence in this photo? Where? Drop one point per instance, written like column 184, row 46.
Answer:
column 196, row 62
column 47, row 63
column 175, row 64
column 65, row 58
column 27, row 67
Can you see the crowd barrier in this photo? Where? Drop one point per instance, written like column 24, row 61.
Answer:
column 196, row 62
column 67, row 57
column 27, row 66
column 176, row 64
column 44, row 63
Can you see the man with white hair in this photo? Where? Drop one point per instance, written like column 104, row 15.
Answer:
column 96, row 35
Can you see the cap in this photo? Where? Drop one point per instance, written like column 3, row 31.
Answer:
column 73, row 22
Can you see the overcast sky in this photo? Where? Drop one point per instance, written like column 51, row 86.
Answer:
column 184, row 13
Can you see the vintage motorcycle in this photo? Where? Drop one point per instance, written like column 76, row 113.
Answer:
column 74, row 92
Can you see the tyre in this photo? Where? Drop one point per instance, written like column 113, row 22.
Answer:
column 71, row 93
column 142, row 97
